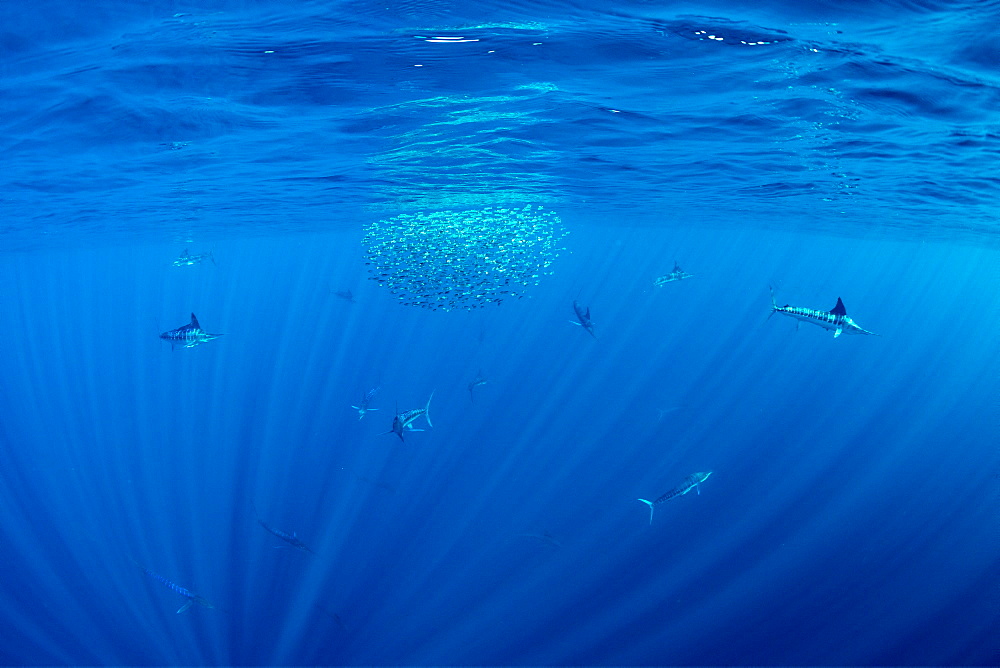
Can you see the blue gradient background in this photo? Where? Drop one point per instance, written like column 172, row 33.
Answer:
column 852, row 517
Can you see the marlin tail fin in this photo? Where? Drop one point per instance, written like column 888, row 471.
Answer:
column 427, row 410
column 651, row 506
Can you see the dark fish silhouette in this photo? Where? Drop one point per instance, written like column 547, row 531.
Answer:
column 346, row 295
column 476, row 382
column 290, row 538
column 192, row 598
column 584, row 319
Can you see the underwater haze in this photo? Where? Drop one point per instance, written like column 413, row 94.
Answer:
column 354, row 333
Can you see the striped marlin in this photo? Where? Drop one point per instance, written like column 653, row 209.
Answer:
column 189, row 335
column 363, row 408
column 584, row 318
column 677, row 274
column 192, row 598
column 835, row 319
column 188, row 259
column 690, row 482
column 404, row 421
column 290, row 538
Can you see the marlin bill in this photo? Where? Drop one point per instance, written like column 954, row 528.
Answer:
column 690, row 482
column 836, row 319
column 189, row 335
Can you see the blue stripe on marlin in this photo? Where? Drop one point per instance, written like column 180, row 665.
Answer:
column 584, row 318
column 404, row 421
column 192, row 598
column 690, row 482
column 189, row 335
column 836, row 319
column 363, row 408
column 290, row 538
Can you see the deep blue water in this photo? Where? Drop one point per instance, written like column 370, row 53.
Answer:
column 829, row 149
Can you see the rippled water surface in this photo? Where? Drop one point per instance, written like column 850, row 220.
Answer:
column 175, row 119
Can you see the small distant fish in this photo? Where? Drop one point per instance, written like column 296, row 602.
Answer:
column 362, row 407
column 189, row 335
column 660, row 412
column 332, row 615
column 545, row 537
column 476, row 382
column 404, row 421
column 192, row 598
column 346, row 295
column 836, row 319
column 677, row 274
column 290, row 538
column 187, row 259
column 690, row 482
column 584, row 319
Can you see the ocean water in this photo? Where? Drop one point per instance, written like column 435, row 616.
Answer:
column 827, row 149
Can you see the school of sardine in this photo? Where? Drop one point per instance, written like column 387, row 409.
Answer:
column 463, row 259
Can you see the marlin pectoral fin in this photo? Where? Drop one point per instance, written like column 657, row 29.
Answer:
column 574, row 322
column 840, row 330
column 186, row 606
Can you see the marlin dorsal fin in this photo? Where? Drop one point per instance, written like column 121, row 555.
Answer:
column 194, row 322
column 839, row 308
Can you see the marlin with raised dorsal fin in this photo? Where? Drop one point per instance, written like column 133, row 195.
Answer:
column 480, row 379
column 583, row 318
column 363, row 408
column 192, row 598
column 677, row 274
column 290, row 538
column 187, row 259
column 836, row 319
column 189, row 335
column 690, row 482
column 404, row 421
